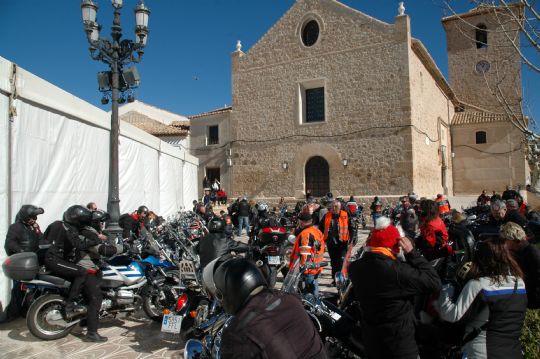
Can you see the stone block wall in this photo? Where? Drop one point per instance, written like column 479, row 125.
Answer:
column 490, row 166
column 463, row 55
column 431, row 116
column 211, row 155
column 359, row 60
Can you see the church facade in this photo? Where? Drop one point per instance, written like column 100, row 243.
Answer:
column 331, row 99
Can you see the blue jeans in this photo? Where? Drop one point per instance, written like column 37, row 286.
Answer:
column 312, row 284
column 243, row 222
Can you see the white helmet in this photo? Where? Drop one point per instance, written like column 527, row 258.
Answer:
column 262, row 207
column 208, row 273
column 208, row 277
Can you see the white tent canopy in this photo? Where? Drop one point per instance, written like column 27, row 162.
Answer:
column 55, row 153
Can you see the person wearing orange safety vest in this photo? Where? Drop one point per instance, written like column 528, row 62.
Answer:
column 444, row 205
column 309, row 243
column 337, row 230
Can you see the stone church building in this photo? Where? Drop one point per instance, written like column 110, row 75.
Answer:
column 331, row 99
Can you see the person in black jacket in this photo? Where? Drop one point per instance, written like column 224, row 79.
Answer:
column 67, row 245
column 133, row 223
column 496, row 220
column 244, row 212
column 528, row 258
column 218, row 242
column 513, row 215
column 24, row 234
column 385, row 287
column 461, row 237
column 509, row 193
column 266, row 323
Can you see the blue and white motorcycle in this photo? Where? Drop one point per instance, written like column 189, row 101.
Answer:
column 121, row 287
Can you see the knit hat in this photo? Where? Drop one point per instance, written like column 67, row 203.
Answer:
column 384, row 234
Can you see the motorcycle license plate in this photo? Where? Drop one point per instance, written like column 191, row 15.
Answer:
column 335, row 315
column 274, row 260
column 171, row 323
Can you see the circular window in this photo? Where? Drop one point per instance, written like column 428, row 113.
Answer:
column 310, row 33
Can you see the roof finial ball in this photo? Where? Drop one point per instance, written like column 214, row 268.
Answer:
column 401, row 8
column 238, row 45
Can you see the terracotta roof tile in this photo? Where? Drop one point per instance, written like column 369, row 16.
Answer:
column 213, row 112
column 154, row 127
column 465, row 118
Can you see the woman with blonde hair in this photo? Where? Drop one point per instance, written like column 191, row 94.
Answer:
column 528, row 258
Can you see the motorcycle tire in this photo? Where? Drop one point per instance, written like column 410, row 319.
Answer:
column 272, row 276
column 150, row 303
column 152, row 309
column 39, row 310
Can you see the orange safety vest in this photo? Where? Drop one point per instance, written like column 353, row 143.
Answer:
column 343, row 226
column 444, row 206
column 305, row 245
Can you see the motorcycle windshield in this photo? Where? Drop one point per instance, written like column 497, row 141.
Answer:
column 347, row 260
column 290, row 282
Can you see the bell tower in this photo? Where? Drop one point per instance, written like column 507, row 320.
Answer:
column 484, row 67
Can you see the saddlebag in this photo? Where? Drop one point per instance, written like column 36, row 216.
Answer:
column 21, row 266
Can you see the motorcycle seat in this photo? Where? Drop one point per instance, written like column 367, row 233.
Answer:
column 60, row 282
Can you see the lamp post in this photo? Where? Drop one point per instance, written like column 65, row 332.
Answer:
column 116, row 53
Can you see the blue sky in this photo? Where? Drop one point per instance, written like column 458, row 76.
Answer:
column 186, row 67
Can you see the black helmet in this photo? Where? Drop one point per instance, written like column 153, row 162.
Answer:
column 216, row 225
column 78, row 216
column 27, row 211
column 143, row 209
column 235, row 281
column 100, row 215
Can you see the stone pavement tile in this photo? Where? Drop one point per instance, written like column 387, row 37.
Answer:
column 130, row 338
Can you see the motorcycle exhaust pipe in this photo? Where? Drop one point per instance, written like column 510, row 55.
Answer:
column 259, row 263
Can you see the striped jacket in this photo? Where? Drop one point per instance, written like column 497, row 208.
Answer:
column 498, row 312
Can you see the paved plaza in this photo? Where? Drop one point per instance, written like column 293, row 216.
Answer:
column 130, row 337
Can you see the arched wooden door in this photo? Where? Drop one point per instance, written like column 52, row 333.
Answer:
column 317, row 176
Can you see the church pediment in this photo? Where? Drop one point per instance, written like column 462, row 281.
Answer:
column 313, row 28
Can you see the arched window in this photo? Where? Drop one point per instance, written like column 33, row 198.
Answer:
column 481, row 36
column 481, row 137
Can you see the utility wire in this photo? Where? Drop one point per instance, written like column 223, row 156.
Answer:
column 317, row 136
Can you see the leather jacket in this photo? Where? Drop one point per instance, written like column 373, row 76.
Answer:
column 67, row 243
column 215, row 245
column 22, row 237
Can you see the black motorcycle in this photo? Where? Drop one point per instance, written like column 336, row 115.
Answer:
column 340, row 332
column 269, row 251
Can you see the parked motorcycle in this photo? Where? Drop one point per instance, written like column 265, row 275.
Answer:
column 340, row 332
column 269, row 251
column 46, row 317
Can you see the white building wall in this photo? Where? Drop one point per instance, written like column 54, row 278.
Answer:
column 60, row 157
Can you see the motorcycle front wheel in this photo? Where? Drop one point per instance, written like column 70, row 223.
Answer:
column 45, row 318
column 159, row 297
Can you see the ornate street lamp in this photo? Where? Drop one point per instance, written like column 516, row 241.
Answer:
column 118, row 83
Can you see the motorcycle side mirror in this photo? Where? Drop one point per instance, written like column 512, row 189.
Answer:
column 193, row 349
